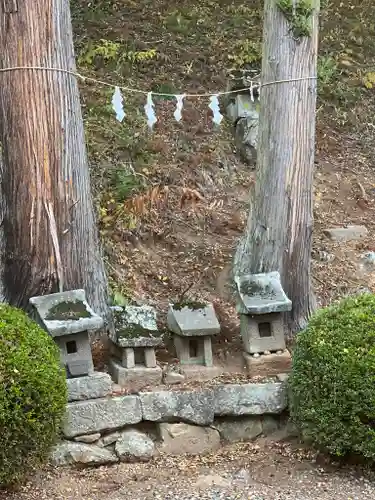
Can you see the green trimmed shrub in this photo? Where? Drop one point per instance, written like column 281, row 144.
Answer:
column 333, row 378
column 33, row 395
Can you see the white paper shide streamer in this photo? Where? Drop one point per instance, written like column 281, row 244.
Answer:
column 149, row 110
column 117, row 104
column 149, row 107
column 252, row 91
column 179, row 105
column 215, row 108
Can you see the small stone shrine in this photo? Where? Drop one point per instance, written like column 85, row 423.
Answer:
column 68, row 318
column 133, row 361
column 243, row 111
column 193, row 326
column 261, row 304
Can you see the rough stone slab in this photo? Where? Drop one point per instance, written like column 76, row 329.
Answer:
column 234, row 430
column 97, row 385
column 366, row 264
column 68, row 453
column 242, row 107
column 269, row 365
column 171, row 377
column 250, row 399
column 246, row 139
column 45, row 303
column 136, row 378
column 87, row 417
column 88, row 439
column 196, row 407
column 253, row 342
column 261, row 294
column 342, row 234
column 201, row 373
column 135, row 326
column 193, row 322
column 140, row 342
column 134, row 445
column 108, row 439
column 180, row 439
column 270, row 425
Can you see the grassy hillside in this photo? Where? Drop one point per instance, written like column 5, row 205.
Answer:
column 172, row 204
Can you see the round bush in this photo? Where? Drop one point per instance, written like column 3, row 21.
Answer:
column 333, row 378
column 32, row 395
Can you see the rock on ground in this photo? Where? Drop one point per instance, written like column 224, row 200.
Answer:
column 134, row 445
column 179, row 439
column 68, row 453
column 241, row 429
column 348, row 233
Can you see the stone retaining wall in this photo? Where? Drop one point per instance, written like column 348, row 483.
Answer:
column 139, row 426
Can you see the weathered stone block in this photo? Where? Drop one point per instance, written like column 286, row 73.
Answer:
column 68, row 453
column 242, row 107
column 66, row 313
column 134, row 445
column 270, row 425
column 348, row 233
column 201, row 373
column 97, row 385
column 238, row 429
column 246, row 137
column 108, row 439
column 150, row 357
column 88, row 439
column 195, row 407
column 136, row 378
column 87, row 417
column 171, row 377
column 262, row 333
column 250, row 399
column 197, row 322
column 261, row 294
column 179, row 439
column 135, row 326
column 270, row 365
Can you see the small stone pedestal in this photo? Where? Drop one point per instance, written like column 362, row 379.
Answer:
column 133, row 361
column 268, row 365
column 261, row 304
column 193, row 326
column 67, row 317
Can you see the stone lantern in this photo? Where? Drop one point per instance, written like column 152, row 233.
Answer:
column 193, row 326
column 261, row 304
column 68, row 318
column 133, row 360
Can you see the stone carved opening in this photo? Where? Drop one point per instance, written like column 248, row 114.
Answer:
column 265, row 330
column 139, row 356
column 71, row 347
column 193, row 348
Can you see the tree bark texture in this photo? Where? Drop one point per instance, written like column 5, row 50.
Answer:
column 51, row 239
column 278, row 236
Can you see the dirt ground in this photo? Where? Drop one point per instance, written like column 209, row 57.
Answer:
column 257, row 471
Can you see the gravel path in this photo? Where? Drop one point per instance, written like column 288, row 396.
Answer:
column 265, row 471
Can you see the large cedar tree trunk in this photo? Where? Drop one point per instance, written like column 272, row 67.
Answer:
column 278, row 236
column 51, row 241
